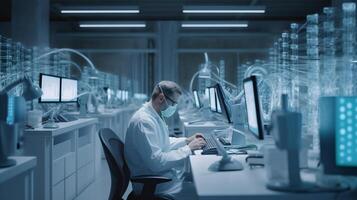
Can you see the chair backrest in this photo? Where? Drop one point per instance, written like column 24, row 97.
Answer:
column 119, row 171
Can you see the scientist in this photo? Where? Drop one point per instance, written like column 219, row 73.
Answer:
column 148, row 148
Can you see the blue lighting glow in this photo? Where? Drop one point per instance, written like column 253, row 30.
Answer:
column 10, row 111
column 346, row 137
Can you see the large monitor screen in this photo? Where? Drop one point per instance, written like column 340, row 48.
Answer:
column 50, row 86
column 69, row 90
column 253, row 107
column 222, row 105
column 212, row 99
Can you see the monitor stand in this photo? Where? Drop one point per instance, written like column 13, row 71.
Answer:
column 227, row 164
column 51, row 124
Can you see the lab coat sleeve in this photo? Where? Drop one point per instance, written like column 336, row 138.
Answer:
column 176, row 143
column 152, row 154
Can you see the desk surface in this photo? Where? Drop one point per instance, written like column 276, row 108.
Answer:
column 22, row 164
column 64, row 127
column 246, row 184
column 106, row 113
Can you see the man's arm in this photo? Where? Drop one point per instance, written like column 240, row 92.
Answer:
column 176, row 143
column 151, row 153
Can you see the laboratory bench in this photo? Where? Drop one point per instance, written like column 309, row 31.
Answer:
column 248, row 184
column 17, row 182
column 65, row 158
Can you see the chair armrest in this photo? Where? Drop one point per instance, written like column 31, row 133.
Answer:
column 150, row 179
column 150, row 182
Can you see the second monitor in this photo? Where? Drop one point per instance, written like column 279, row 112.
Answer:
column 252, row 102
column 69, row 90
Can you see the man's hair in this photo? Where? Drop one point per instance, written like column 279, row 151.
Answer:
column 169, row 88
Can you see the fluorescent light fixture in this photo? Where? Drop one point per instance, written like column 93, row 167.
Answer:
column 223, row 10
column 112, row 25
column 78, row 11
column 214, row 25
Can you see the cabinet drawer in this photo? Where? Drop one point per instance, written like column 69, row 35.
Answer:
column 70, row 164
column 85, row 176
column 70, row 187
column 85, row 155
column 57, row 171
column 58, row 191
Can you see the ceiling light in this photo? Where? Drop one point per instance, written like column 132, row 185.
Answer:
column 112, row 25
column 214, row 25
column 224, row 10
column 129, row 11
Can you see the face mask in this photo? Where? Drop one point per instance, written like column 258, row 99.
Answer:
column 170, row 110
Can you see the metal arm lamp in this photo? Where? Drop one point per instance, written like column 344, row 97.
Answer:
column 12, row 111
column 28, row 64
column 71, row 51
column 206, row 73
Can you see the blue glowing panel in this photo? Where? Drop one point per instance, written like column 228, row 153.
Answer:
column 346, row 132
column 10, row 111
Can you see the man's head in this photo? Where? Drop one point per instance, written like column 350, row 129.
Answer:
column 166, row 95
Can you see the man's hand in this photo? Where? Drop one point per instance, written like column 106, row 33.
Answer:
column 197, row 135
column 197, row 143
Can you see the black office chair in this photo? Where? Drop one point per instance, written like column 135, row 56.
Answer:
column 120, row 174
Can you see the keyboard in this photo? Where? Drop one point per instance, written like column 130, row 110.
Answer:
column 210, row 148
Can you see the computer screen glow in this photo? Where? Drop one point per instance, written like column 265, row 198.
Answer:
column 212, row 99
column 346, row 133
column 251, row 109
column 50, row 86
column 206, row 93
column 197, row 101
column 69, row 90
column 119, row 94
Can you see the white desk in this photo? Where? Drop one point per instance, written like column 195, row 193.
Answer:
column 115, row 119
column 17, row 182
column 65, row 155
column 248, row 184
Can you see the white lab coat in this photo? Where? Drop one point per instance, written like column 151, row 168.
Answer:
column 150, row 151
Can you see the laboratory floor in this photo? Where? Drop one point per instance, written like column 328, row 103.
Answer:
column 99, row 190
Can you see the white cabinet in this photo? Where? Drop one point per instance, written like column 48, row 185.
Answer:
column 65, row 158
column 17, row 182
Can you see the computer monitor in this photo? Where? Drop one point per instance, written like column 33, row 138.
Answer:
column 222, row 106
column 110, row 94
column 212, row 99
column 218, row 103
column 125, row 95
column 337, row 130
column 119, row 95
column 69, row 90
column 206, row 93
column 196, row 99
column 51, row 88
column 253, row 106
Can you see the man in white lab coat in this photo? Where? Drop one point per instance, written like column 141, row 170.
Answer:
column 148, row 148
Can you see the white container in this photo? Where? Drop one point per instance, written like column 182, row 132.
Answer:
column 34, row 118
